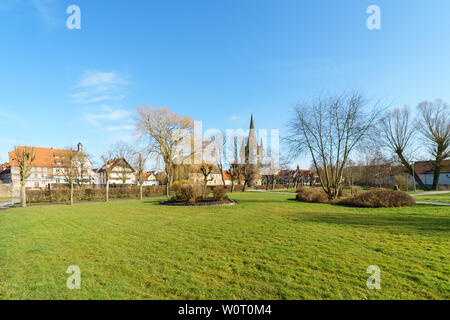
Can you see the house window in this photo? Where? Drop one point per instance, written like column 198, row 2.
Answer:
column 36, row 184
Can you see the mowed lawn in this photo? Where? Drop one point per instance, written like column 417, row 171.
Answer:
column 266, row 247
column 442, row 198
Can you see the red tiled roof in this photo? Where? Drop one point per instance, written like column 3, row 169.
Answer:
column 43, row 157
column 226, row 175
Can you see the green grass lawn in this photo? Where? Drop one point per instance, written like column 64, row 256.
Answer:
column 442, row 198
column 266, row 247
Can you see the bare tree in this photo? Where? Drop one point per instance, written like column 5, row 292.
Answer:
column 25, row 158
column 398, row 132
column 235, row 174
column 107, row 169
column 140, row 167
column 219, row 157
column 330, row 129
column 82, row 167
column 166, row 132
column 434, row 124
column 249, row 175
column 206, row 170
column 67, row 162
column 126, row 155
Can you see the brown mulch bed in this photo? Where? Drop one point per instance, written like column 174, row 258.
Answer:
column 199, row 203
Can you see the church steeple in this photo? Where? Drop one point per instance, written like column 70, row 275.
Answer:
column 252, row 124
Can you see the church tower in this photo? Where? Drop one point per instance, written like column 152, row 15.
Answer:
column 252, row 145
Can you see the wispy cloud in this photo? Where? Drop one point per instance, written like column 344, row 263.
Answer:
column 97, row 86
column 47, row 11
column 101, row 94
column 237, row 118
column 106, row 113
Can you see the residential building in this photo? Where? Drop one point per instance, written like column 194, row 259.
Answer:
column 150, row 179
column 120, row 172
column 50, row 167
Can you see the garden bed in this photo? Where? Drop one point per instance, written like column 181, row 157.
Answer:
column 199, row 203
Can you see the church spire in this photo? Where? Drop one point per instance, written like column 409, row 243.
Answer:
column 252, row 124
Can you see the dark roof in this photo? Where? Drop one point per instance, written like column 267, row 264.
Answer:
column 424, row 167
column 115, row 162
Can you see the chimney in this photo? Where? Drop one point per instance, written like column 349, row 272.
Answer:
column 80, row 147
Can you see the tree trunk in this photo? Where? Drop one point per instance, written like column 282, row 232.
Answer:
column 232, row 185
column 167, row 188
column 71, row 193
column 107, row 191
column 410, row 170
column 245, row 186
column 140, row 192
column 437, row 170
column 23, row 196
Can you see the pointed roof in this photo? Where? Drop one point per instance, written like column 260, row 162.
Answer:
column 252, row 124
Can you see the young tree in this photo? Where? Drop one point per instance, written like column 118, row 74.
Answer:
column 140, row 167
column 398, row 133
column 235, row 174
column 219, row 156
column 82, row 168
column 25, row 158
column 329, row 129
column 166, row 132
column 206, row 170
column 126, row 154
column 69, row 170
column 249, row 175
column 107, row 169
column 434, row 125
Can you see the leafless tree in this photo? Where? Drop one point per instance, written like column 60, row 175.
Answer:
column 107, row 159
column 126, row 155
column 140, row 167
column 329, row 129
column 434, row 125
column 398, row 132
column 235, row 174
column 219, row 156
column 67, row 162
column 249, row 174
column 206, row 170
column 166, row 132
column 25, row 158
column 82, row 169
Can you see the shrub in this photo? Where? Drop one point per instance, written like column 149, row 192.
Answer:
column 219, row 193
column 355, row 190
column 315, row 195
column 380, row 199
column 59, row 194
column 176, row 189
column 190, row 192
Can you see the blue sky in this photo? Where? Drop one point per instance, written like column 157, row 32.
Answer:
column 216, row 61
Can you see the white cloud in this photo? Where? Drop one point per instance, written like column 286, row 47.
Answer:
column 107, row 114
column 97, row 86
column 97, row 78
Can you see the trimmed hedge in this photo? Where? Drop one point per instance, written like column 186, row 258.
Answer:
column 89, row 194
